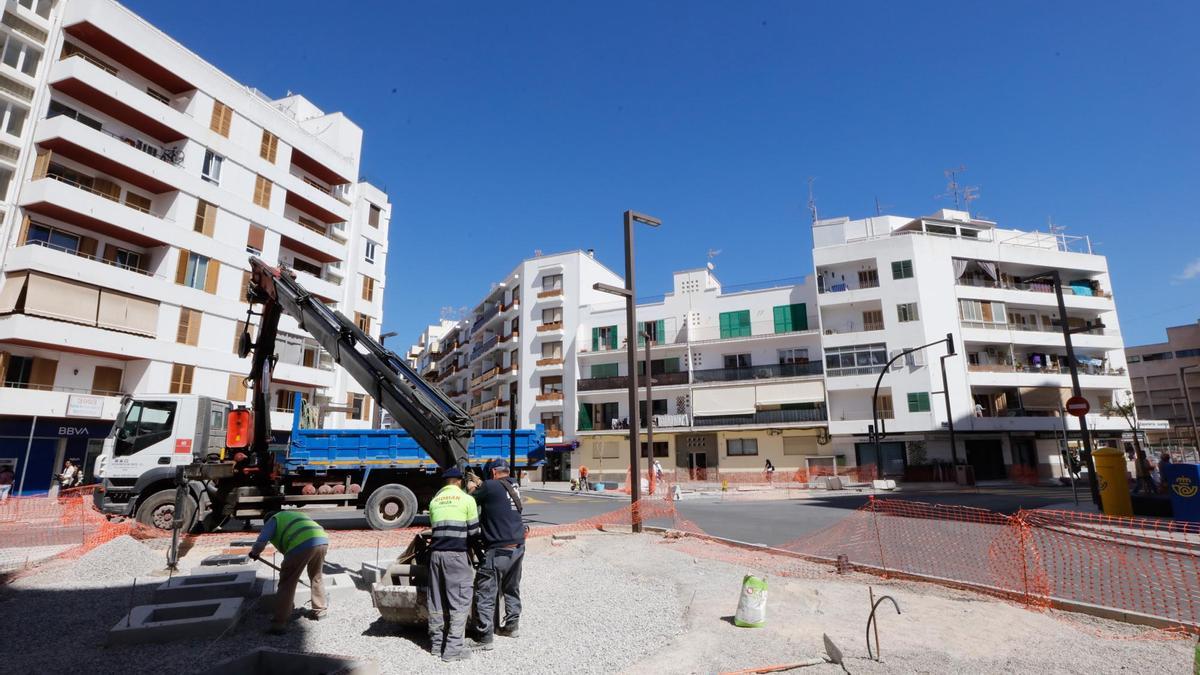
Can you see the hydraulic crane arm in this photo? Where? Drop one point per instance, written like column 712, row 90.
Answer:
column 440, row 426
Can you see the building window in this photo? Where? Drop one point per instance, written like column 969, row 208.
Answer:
column 1158, row 356
column 982, row 311
column 21, row 56
column 552, row 350
column 135, row 201
column 255, row 238
column 222, row 116
column 188, row 332
column 197, row 271
column 787, row 356
column 660, row 449
column 181, row 378
column 262, row 192
column 1186, row 353
column 552, row 384
column 129, row 260
column 906, row 312
column 211, row 171
column 552, row 315
column 206, row 218
column 902, row 269
column 363, row 321
column 883, row 404
column 604, row 370
column 868, row 278
column 552, row 282
column 604, row 338
column 735, row 324
column 553, row 423
column 373, row 215
column 6, row 176
column 741, row 447
column 737, row 360
column 39, row 7
column 53, row 238
column 873, row 319
column 302, row 265
column 357, row 403
column 12, row 118
column 791, row 318
column 368, row 288
column 369, row 251
column 158, row 96
column 57, row 108
column 855, row 359
column 270, row 144
column 918, row 402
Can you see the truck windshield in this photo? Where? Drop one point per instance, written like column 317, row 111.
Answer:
column 145, row 423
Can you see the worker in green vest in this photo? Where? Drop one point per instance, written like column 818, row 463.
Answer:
column 455, row 521
column 303, row 544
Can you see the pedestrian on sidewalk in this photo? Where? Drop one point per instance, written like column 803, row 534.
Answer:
column 583, row 479
column 303, row 544
column 503, row 531
column 6, row 481
column 455, row 521
column 769, row 469
column 1145, row 479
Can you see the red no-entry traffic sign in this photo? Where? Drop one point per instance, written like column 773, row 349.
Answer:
column 1078, row 406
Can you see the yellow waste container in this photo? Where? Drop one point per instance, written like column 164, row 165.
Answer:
column 1113, row 481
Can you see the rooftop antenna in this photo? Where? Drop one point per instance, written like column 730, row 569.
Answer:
column 880, row 207
column 712, row 253
column 812, row 201
column 963, row 195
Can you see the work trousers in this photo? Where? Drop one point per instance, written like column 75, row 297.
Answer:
column 448, row 601
column 294, row 564
column 499, row 575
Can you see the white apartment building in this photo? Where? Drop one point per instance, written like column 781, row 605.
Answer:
column 887, row 284
column 136, row 181
column 736, row 382
column 737, row 375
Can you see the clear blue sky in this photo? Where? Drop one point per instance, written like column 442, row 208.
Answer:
column 500, row 128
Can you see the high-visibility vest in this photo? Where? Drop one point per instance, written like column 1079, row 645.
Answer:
column 293, row 528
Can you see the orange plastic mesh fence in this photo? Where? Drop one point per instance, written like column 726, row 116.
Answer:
column 1037, row 558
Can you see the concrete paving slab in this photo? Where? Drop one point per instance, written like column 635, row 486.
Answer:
column 206, row 586
column 371, row 573
column 225, row 559
column 336, row 585
column 176, row 620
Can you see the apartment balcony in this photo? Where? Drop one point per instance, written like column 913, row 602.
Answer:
column 555, row 363
column 320, row 287
column 91, row 212
column 508, row 373
column 553, row 328
column 622, row 381
column 853, row 333
column 32, row 400
column 841, row 294
column 484, row 347
column 322, row 215
column 1003, row 375
column 326, row 165
column 552, row 296
column 550, row 399
column 488, row 314
column 676, row 421
column 1037, row 294
column 1024, row 420
column 1036, row 335
column 485, row 406
column 91, row 84
column 755, row 331
column 311, row 243
column 484, row 377
column 511, row 338
column 770, row 371
column 511, row 307
column 146, row 165
column 301, row 375
column 764, row 417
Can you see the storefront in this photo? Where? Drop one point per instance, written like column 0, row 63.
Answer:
column 35, row 451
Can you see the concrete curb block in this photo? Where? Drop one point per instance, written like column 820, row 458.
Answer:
column 205, row 587
column 336, row 585
column 177, row 620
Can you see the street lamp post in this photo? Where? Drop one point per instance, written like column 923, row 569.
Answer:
column 1056, row 279
column 1187, row 395
column 376, row 418
column 630, row 295
column 877, row 429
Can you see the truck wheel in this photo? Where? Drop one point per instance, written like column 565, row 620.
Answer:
column 158, row 510
column 390, row 507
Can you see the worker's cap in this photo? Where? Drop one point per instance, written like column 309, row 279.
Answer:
column 452, row 472
column 497, row 464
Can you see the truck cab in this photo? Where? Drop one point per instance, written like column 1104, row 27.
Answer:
column 152, row 435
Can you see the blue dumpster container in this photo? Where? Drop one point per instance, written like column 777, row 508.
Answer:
column 1183, row 484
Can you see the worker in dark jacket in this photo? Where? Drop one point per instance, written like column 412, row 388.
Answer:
column 303, row 544
column 455, row 521
column 504, row 543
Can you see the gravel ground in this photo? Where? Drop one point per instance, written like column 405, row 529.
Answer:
column 599, row 603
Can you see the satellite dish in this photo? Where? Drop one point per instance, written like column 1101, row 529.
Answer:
column 711, row 267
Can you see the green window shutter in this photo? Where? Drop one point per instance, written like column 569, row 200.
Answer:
column 671, row 365
column 783, row 322
column 925, row 402
column 735, row 324
column 612, row 337
column 743, row 323
column 641, row 328
column 585, row 417
column 724, row 325
column 897, row 269
column 912, row 403
column 660, row 331
column 800, row 316
column 596, row 339
column 918, row 402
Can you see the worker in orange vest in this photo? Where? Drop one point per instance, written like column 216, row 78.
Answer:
column 583, row 479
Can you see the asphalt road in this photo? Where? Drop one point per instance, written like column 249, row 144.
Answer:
column 763, row 522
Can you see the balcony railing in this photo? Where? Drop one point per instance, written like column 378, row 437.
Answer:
column 1040, row 287
column 484, row 377
column 516, row 302
column 764, row 417
column 549, row 362
column 842, row 286
column 758, row 372
column 1083, row 369
column 49, row 387
column 485, row 317
column 622, row 381
column 663, row 421
column 1034, row 328
column 85, row 256
column 551, row 396
column 546, row 327
column 479, row 349
column 557, row 292
column 860, row 370
column 484, row 407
